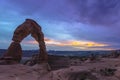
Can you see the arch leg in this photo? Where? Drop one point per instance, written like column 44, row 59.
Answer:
column 14, row 52
column 43, row 53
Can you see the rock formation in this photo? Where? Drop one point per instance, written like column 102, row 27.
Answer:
column 14, row 52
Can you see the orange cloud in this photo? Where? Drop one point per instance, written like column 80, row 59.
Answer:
column 87, row 44
column 72, row 43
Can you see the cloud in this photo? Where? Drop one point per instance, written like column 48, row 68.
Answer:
column 96, row 34
column 81, row 45
column 27, row 7
column 95, row 12
column 53, row 10
column 93, row 20
column 98, row 12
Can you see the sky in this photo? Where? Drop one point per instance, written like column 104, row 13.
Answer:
column 71, row 25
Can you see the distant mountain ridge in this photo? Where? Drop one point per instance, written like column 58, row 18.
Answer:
column 29, row 53
column 26, row 53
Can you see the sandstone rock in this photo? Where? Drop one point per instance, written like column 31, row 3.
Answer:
column 85, row 75
column 14, row 52
column 42, row 68
column 22, row 31
column 117, row 73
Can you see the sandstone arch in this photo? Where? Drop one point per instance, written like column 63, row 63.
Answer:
column 28, row 27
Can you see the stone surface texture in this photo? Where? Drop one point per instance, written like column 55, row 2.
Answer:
column 22, row 31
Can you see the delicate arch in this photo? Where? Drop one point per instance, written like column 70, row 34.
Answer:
column 22, row 31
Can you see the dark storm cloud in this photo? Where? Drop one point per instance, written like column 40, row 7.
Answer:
column 27, row 7
column 96, row 12
column 52, row 9
column 100, row 12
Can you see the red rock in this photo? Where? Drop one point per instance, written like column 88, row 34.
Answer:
column 22, row 31
column 14, row 51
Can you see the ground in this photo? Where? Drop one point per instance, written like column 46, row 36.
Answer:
column 103, row 69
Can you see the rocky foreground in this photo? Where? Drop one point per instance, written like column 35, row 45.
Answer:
column 103, row 69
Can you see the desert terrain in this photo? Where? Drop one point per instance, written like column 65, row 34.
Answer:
column 64, row 68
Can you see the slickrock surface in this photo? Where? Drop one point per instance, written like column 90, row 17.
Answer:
column 105, row 69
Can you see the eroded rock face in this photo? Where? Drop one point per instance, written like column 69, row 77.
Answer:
column 22, row 31
column 14, row 52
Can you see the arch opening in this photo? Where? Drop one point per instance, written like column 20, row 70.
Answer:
column 29, row 27
column 29, row 43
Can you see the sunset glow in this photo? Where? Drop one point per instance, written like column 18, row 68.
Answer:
column 66, row 24
column 71, row 43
